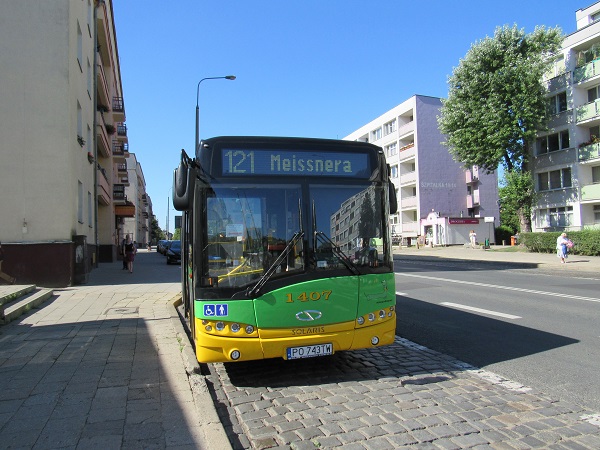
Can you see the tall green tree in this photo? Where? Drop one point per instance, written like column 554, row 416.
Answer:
column 497, row 102
column 156, row 233
column 516, row 194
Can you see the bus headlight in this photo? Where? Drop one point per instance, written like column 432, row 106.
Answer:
column 360, row 320
column 381, row 314
column 371, row 317
column 235, row 355
column 220, row 326
column 249, row 329
column 374, row 340
column 235, row 327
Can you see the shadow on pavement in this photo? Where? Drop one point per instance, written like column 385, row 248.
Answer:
column 473, row 338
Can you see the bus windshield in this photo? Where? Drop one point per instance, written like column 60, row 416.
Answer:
column 252, row 227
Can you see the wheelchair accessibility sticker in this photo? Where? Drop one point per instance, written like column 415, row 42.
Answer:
column 218, row 310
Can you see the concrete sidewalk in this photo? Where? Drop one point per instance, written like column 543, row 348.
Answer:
column 577, row 265
column 106, row 365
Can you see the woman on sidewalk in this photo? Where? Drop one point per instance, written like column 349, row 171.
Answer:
column 130, row 252
column 562, row 244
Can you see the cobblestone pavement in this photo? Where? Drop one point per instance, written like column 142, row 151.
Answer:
column 403, row 395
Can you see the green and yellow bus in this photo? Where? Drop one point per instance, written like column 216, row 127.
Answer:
column 286, row 247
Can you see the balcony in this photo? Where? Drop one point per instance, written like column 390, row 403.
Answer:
column 103, row 187
column 588, row 153
column 105, row 44
column 120, row 149
column 560, row 119
column 587, row 73
column 408, row 202
column 558, row 83
column 118, row 108
column 406, row 129
column 471, row 176
column 102, row 141
column 121, row 130
column 590, row 192
column 408, row 178
column 407, row 152
column 588, row 113
column 119, row 193
column 127, row 210
column 103, row 90
column 410, row 228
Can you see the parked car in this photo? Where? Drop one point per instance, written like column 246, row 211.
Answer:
column 174, row 252
column 161, row 247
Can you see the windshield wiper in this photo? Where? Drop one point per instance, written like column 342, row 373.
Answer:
column 273, row 268
column 338, row 252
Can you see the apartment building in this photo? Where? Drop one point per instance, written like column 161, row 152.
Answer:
column 137, row 226
column 64, row 139
column 566, row 158
column 426, row 177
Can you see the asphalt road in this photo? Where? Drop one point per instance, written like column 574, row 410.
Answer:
column 537, row 328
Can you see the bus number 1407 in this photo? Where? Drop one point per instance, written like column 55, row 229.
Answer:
column 307, row 296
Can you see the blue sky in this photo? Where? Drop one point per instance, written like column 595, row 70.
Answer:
column 313, row 68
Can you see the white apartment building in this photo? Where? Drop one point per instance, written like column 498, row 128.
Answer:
column 566, row 158
column 426, row 177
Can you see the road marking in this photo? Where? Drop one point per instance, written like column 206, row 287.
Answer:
column 479, row 310
column 507, row 288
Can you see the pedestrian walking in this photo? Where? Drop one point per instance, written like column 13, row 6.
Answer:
column 562, row 247
column 473, row 238
column 130, row 251
column 6, row 277
column 122, row 251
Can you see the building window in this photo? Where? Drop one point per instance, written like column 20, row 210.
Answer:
column 391, row 150
column 79, row 120
column 79, row 201
column 596, row 174
column 556, row 179
column 555, row 217
column 89, row 139
column 89, row 79
column 376, row 134
column 593, row 94
column 394, row 173
column 79, row 47
column 90, row 210
column 596, row 213
column 553, row 142
column 389, row 127
column 558, row 103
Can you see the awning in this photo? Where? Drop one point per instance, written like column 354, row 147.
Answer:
column 125, row 210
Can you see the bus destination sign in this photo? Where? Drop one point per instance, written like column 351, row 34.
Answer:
column 239, row 162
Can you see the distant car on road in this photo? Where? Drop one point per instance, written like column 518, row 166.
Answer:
column 174, row 252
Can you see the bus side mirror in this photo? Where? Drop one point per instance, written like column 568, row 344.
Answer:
column 183, row 188
column 393, row 198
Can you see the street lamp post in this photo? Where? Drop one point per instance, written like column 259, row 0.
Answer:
column 228, row 77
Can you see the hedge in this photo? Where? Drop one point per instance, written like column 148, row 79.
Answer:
column 587, row 242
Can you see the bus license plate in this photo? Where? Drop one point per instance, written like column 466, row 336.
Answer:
column 308, row 351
